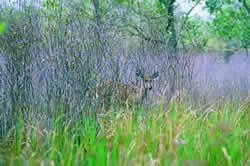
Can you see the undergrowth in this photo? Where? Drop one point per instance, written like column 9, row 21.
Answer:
column 179, row 136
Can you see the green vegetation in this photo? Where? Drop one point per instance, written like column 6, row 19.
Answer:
column 2, row 28
column 231, row 24
column 68, row 69
column 182, row 135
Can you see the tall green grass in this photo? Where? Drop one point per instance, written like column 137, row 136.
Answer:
column 180, row 136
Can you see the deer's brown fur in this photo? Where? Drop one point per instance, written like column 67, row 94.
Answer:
column 126, row 94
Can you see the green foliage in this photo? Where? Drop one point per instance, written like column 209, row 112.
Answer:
column 231, row 23
column 195, row 34
column 54, row 11
column 51, row 9
column 214, row 5
column 160, row 8
column 124, row 138
column 3, row 28
column 130, row 2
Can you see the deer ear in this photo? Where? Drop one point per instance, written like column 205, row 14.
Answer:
column 139, row 73
column 155, row 75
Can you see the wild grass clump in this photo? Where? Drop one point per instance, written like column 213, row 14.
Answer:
column 180, row 136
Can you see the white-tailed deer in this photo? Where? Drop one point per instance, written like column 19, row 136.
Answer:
column 145, row 82
column 126, row 94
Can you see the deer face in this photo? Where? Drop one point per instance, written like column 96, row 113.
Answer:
column 146, row 79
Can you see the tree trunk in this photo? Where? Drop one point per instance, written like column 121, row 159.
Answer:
column 170, row 28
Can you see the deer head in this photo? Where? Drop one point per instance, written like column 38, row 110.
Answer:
column 145, row 80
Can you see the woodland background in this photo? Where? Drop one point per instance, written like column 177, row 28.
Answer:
column 54, row 53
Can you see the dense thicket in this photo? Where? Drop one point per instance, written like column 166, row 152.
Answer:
column 55, row 53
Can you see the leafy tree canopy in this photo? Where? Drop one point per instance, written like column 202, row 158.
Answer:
column 232, row 21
